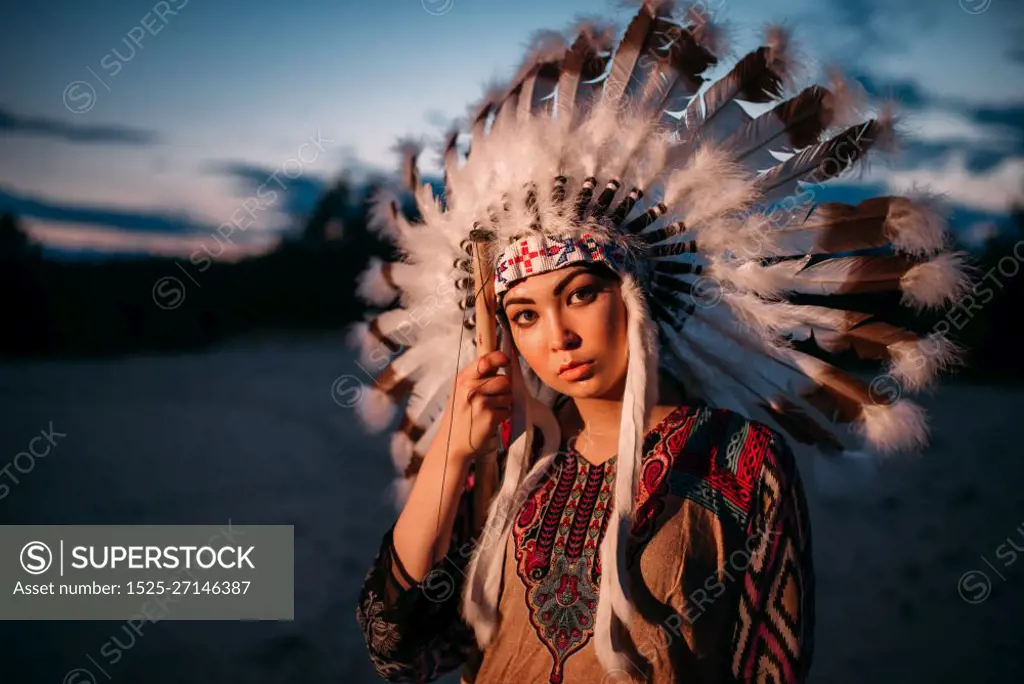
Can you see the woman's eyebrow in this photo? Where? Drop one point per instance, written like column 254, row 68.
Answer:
column 557, row 291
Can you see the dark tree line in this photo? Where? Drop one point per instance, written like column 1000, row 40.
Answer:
column 50, row 306
column 992, row 333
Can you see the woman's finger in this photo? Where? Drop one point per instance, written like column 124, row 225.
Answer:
column 497, row 401
column 493, row 401
column 488, row 364
column 495, row 385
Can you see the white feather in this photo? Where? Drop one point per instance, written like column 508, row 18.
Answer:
column 372, row 287
column 359, row 338
column 934, row 283
column 894, row 427
column 385, row 216
column 401, row 452
column 917, row 364
column 375, row 409
column 917, row 226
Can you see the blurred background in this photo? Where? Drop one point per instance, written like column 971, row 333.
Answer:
column 183, row 208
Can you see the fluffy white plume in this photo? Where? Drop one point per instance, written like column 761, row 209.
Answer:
column 917, row 226
column 401, row 451
column 894, row 427
column 360, row 338
column 937, row 282
column 917, row 364
column 385, row 217
column 372, row 285
column 375, row 408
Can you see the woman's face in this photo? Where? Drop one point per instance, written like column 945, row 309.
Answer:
column 572, row 315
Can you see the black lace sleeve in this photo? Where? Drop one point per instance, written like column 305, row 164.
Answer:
column 417, row 634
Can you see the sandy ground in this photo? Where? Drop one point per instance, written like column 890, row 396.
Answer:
column 250, row 433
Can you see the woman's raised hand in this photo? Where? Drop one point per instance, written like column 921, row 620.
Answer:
column 483, row 399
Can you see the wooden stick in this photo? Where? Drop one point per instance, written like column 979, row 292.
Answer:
column 486, row 466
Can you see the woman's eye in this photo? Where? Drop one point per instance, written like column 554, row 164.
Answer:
column 518, row 318
column 584, row 294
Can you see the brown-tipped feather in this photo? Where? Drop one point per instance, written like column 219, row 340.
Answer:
column 690, row 60
column 678, row 62
column 793, row 124
column 524, row 101
column 411, row 430
column 389, row 278
column 537, row 85
column 801, row 427
column 451, row 157
column 820, row 163
column 871, row 340
column 752, row 79
column 415, row 463
column 572, row 71
column 480, row 122
column 410, row 173
column 508, row 110
column 392, row 346
column 627, row 54
column 582, row 65
column 844, row 275
column 394, row 385
column 838, row 395
column 837, row 227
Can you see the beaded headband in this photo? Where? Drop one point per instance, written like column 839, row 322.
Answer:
column 542, row 253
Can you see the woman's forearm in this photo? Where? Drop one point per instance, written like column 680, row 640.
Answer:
column 418, row 539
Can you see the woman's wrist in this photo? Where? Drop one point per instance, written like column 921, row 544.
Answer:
column 441, row 452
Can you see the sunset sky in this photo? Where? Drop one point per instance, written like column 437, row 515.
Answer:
column 140, row 126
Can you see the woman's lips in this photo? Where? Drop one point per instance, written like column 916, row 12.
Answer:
column 577, row 371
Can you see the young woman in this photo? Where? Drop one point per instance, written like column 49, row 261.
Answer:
column 720, row 559
column 650, row 523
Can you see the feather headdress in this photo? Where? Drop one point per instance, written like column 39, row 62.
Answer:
column 628, row 156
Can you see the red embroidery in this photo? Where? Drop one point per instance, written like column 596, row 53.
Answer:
column 558, row 537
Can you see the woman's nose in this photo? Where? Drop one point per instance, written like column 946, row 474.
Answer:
column 563, row 338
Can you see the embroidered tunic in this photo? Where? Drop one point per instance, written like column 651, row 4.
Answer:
column 719, row 560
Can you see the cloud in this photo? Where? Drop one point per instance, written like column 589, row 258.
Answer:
column 58, row 237
column 979, row 145
column 993, row 191
column 114, row 217
column 878, row 23
column 298, row 197
column 979, row 232
column 930, row 153
column 907, row 92
column 933, row 125
column 933, row 134
column 293, row 198
column 77, row 133
column 78, row 228
column 1012, row 116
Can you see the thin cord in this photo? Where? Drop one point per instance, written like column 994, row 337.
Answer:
column 448, row 442
column 451, row 424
